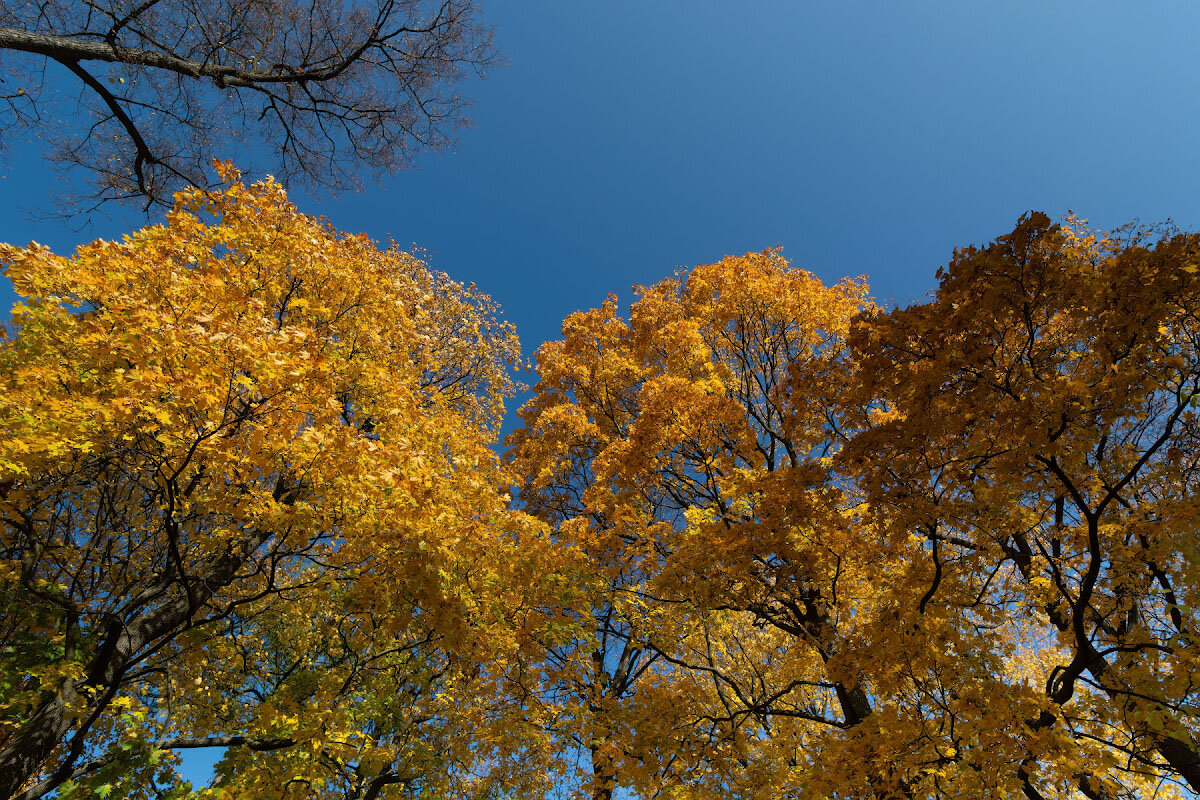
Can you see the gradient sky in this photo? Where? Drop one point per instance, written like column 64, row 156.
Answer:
column 627, row 139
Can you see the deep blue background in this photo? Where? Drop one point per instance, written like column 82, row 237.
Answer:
column 627, row 139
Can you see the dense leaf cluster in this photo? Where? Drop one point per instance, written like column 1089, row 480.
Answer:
column 770, row 539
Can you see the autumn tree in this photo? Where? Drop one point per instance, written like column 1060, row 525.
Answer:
column 591, row 680
column 1041, row 431
column 323, row 87
column 671, row 448
column 248, row 501
column 818, row 623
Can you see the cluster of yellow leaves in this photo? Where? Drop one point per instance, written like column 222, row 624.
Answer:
column 1044, row 431
column 839, row 551
column 270, row 444
column 801, row 546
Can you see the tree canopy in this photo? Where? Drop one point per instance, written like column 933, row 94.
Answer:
column 248, row 502
column 941, row 551
column 769, row 539
column 324, row 87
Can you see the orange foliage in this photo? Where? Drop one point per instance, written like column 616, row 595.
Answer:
column 945, row 551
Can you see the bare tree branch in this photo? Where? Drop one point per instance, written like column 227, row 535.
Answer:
column 323, row 92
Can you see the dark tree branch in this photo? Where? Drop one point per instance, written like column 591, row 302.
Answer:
column 331, row 85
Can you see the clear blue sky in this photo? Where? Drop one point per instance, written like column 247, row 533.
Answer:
column 626, row 139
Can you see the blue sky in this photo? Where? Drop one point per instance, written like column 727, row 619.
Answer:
column 627, row 139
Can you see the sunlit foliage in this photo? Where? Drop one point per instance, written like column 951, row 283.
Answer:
column 249, row 502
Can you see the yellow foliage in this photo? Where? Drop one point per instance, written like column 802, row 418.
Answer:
column 838, row 551
column 248, row 490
